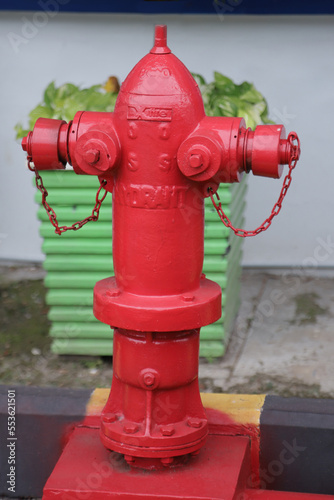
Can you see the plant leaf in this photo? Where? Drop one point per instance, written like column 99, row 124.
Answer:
column 49, row 94
column 221, row 97
column 39, row 112
column 66, row 90
column 20, row 131
column 199, row 79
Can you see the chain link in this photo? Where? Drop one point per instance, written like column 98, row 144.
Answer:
column 243, row 233
column 226, row 221
column 52, row 214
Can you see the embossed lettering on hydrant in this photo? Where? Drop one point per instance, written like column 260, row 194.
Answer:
column 151, row 197
column 149, row 113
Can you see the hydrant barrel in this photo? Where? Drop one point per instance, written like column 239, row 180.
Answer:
column 157, row 212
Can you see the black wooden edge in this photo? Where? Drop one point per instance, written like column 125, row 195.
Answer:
column 42, row 418
column 297, row 445
column 296, row 439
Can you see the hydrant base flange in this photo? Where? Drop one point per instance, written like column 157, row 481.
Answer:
column 165, row 313
column 147, row 453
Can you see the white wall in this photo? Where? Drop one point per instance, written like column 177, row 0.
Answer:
column 289, row 59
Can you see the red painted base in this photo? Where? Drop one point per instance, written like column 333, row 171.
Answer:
column 88, row 471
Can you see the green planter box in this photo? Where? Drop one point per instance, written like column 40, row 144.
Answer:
column 77, row 259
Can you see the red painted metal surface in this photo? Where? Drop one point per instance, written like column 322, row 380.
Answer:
column 167, row 420
column 161, row 156
column 222, row 471
column 86, row 470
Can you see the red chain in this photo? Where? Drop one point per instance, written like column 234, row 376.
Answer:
column 52, row 214
column 278, row 205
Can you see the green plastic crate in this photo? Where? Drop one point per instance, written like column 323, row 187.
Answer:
column 77, row 259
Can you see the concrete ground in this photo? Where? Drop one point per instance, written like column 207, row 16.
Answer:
column 282, row 341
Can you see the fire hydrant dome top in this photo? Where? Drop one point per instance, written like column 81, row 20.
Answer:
column 161, row 73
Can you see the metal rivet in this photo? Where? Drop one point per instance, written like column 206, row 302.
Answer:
column 114, row 293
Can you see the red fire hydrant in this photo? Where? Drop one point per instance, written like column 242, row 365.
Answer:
column 160, row 156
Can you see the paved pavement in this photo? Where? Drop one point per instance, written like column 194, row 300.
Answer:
column 283, row 340
column 13, row 271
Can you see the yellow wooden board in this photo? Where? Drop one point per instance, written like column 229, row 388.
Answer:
column 242, row 408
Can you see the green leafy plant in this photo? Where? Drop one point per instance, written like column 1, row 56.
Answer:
column 222, row 97
column 63, row 102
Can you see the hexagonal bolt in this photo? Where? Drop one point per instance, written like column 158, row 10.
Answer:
column 92, row 156
column 188, row 297
column 130, row 428
column 129, row 459
column 109, row 418
column 114, row 293
column 149, row 379
column 167, row 430
column 167, row 461
column 194, row 422
column 195, row 160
